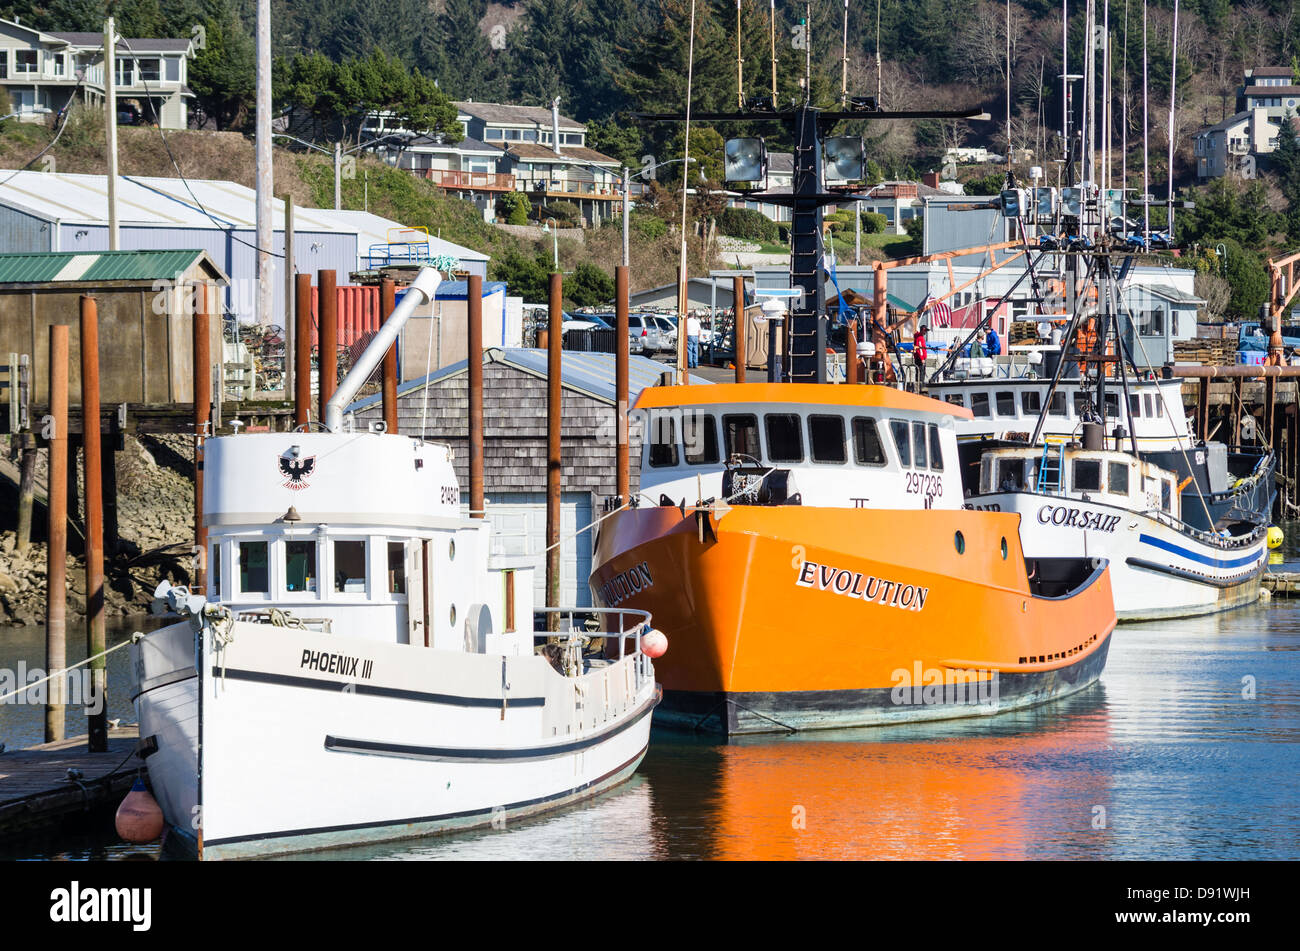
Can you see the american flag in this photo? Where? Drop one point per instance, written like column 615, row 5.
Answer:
column 936, row 311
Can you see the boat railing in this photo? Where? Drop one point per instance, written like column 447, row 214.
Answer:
column 1210, row 538
column 618, row 631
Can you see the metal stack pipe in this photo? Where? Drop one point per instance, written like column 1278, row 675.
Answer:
column 553, row 434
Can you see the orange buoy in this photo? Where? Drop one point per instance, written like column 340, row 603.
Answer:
column 139, row 818
column 654, row 644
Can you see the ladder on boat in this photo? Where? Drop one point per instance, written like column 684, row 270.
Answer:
column 1049, row 468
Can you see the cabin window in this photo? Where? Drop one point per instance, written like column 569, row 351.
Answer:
column 740, row 436
column 936, row 449
column 253, row 575
column 1160, row 406
column 902, row 441
column 867, row 450
column 1006, row 403
column 1087, row 475
column 215, row 565
column 1011, row 475
column 826, row 438
column 920, row 457
column 1134, row 405
column 1112, row 406
column 784, row 438
column 1117, row 478
column 1031, row 401
column 1166, row 495
column 956, row 399
column 700, row 438
column 1083, row 407
column 397, row 568
column 979, row 405
column 1057, row 406
column 663, row 440
column 300, row 566
column 1151, row 406
column 349, row 567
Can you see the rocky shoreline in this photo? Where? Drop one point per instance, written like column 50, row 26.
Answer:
column 155, row 502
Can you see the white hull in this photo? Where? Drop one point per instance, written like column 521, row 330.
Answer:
column 1156, row 570
column 263, row 753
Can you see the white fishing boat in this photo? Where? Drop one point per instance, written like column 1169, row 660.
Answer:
column 1083, row 500
column 362, row 669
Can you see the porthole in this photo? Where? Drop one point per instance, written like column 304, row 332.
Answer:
column 1004, row 548
column 451, row 550
column 453, row 615
column 960, row 541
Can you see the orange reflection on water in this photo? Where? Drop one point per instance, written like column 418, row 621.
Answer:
column 967, row 796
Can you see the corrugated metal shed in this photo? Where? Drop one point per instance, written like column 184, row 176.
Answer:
column 68, row 266
column 591, row 374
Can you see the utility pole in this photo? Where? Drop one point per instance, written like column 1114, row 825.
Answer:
column 265, row 266
column 110, row 125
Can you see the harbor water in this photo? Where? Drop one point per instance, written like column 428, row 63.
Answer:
column 1186, row 749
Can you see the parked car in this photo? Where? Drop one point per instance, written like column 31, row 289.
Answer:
column 644, row 334
column 667, row 331
column 584, row 322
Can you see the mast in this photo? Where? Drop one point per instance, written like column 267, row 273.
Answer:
column 740, row 63
column 1173, row 86
column 1146, row 186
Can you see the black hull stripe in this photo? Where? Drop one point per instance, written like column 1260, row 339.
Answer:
column 165, row 680
column 452, row 754
column 371, row 690
column 1184, row 575
column 445, row 817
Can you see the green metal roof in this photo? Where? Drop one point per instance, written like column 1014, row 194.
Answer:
column 89, row 267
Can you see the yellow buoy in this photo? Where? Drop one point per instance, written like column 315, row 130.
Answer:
column 1275, row 537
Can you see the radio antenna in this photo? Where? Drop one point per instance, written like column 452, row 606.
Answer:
column 740, row 65
column 771, row 21
column 844, row 61
column 1173, row 85
column 807, row 52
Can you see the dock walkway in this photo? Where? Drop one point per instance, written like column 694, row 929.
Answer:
column 35, row 788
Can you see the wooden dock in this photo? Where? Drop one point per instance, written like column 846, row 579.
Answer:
column 35, row 788
column 1283, row 584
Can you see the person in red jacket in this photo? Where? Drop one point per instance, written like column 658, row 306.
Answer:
column 918, row 350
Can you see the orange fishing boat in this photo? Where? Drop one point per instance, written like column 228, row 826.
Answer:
column 812, row 566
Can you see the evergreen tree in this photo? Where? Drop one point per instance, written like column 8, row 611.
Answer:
column 223, row 73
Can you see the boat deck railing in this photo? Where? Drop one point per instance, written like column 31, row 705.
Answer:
column 570, row 622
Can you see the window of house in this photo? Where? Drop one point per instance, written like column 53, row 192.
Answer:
column 979, row 405
column 530, row 135
column 492, row 135
column 867, row 450
column 1006, row 403
column 902, row 440
column 124, row 72
column 1117, row 478
column 784, row 438
column 572, row 138
column 919, row 454
column 936, row 449
column 740, row 436
column 254, row 576
column 300, row 566
column 1087, row 475
column 173, row 69
column 663, row 440
column 1151, row 323
column 700, row 438
column 4, row 64
column 26, row 61
column 349, row 567
column 397, row 568
column 826, row 438
column 58, row 63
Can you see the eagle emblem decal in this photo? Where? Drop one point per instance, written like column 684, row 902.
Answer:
column 296, row 470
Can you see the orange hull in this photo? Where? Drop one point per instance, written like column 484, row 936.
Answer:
column 792, row 617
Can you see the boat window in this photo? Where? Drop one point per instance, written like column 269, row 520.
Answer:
column 979, row 404
column 253, row 575
column 300, row 566
column 986, row 474
column 1087, row 475
column 215, row 563
column 1006, row 403
column 921, row 457
column 350, row 567
column 1112, row 406
column 397, row 567
column 663, row 440
column 1134, row 405
column 784, row 439
column 956, row 399
column 1151, row 406
column 1057, row 406
column 867, row 450
column 826, row 438
column 1166, row 495
column 936, row 449
column 1083, row 407
column 700, row 438
column 1011, row 475
column 1160, row 406
column 1031, row 401
column 902, row 440
column 740, row 436
column 1117, row 478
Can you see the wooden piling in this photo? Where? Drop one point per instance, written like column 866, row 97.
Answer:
column 553, row 398
column 622, row 343
column 1203, row 408
column 56, row 568
column 851, row 353
column 741, row 345
column 202, row 413
column 474, row 291
column 26, row 491
column 302, row 353
column 97, row 705
column 387, row 303
column 328, row 333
